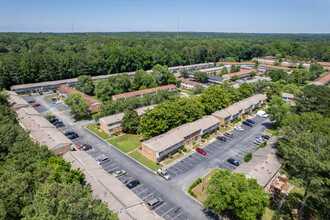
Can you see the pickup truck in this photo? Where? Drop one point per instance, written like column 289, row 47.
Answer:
column 163, row 174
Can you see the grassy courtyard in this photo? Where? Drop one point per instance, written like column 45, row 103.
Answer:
column 96, row 130
column 145, row 161
column 51, row 96
column 126, row 142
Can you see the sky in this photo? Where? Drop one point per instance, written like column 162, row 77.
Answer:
column 242, row 16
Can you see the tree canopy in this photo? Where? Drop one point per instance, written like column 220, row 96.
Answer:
column 130, row 121
column 77, row 104
column 232, row 192
column 85, row 85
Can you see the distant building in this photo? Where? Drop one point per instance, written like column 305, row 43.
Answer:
column 264, row 67
column 94, row 104
column 162, row 146
column 266, row 60
column 240, row 74
column 215, row 79
column 326, row 65
column 288, row 98
column 187, row 84
column 141, row 93
column 15, row 101
column 322, row 80
column 198, row 66
column 243, row 65
column 112, row 124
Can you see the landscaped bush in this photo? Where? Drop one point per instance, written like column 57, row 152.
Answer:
column 262, row 145
column 243, row 116
column 248, row 157
column 237, row 120
column 207, row 135
column 49, row 117
column 203, row 140
column 222, row 126
column 157, row 163
column 192, row 193
column 184, row 149
column 180, row 151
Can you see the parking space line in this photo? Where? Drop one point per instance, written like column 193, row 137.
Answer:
column 191, row 160
column 175, row 168
column 188, row 163
column 137, row 187
column 167, row 211
column 187, row 166
column 142, row 191
column 111, row 165
column 110, row 171
column 160, row 206
column 196, row 157
column 171, row 172
column 126, row 179
column 176, row 216
column 181, row 166
column 147, row 196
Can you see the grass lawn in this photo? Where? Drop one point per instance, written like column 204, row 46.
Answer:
column 272, row 132
column 145, row 161
column 269, row 213
column 200, row 190
column 95, row 129
column 51, row 96
column 187, row 92
column 126, row 142
column 195, row 146
column 173, row 158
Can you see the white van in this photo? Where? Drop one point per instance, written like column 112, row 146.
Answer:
column 262, row 113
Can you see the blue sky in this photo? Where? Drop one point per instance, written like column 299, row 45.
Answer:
column 257, row 16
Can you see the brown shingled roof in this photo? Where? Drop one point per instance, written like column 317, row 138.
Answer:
column 274, row 67
column 241, row 72
column 323, row 79
column 68, row 91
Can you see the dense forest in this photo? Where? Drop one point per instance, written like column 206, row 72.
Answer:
column 29, row 58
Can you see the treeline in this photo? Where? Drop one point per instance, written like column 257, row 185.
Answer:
column 305, row 149
column 29, row 58
column 104, row 89
column 35, row 183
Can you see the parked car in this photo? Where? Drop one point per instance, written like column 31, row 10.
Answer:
column 40, row 93
column 103, row 160
column 153, row 202
column 266, row 137
column 53, row 120
column 201, row 151
column 229, row 134
column 262, row 114
column 233, row 161
column 222, row 138
column 58, row 101
column 133, row 184
column 249, row 120
column 238, row 128
column 54, row 99
column 69, row 133
column 163, row 174
column 57, row 122
column 82, row 145
column 247, row 123
column 36, row 105
column 119, row 173
column 31, row 101
column 58, row 125
column 73, row 136
column 86, row 147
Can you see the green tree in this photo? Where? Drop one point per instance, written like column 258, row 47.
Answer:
column 184, row 73
column 313, row 98
column 277, row 109
column 245, row 90
column 130, row 121
column 163, row 75
column 232, row 192
column 201, row 77
column 253, row 73
column 234, row 68
column 256, row 63
column 316, row 70
column 85, row 84
column 224, row 71
column 142, row 78
column 77, row 104
column 297, row 76
column 197, row 89
column 234, row 78
column 120, row 83
column 103, row 90
column 275, row 89
column 215, row 98
column 305, row 148
column 292, row 89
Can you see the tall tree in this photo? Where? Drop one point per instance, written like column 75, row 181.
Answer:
column 184, row 73
column 130, row 121
column 224, row 71
column 142, row 78
column 215, row 98
column 305, row 147
column 85, row 84
column 275, row 89
column 201, row 77
column 77, row 104
column 232, row 192
column 163, row 75
column 277, row 109
column 313, row 98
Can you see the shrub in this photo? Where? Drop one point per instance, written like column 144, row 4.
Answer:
column 192, row 193
column 203, row 140
column 49, row 117
column 184, row 149
column 200, row 180
column 180, row 151
column 207, row 135
column 248, row 157
column 222, row 125
column 157, row 163
column 243, row 116
column 262, row 145
column 194, row 143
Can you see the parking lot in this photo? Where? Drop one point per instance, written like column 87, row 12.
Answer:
column 218, row 152
column 176, row 204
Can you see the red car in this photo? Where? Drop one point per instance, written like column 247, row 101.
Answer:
column 82, row 145
column 36, row 105
column 201, row 151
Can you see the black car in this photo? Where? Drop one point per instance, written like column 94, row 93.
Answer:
column 31, row 101
column 264, row 136
column 247, row 123
column 250, row 121
column 57, row 122
column 40, row 93
column 133, row 184
column 233, row 161
column 86, row 147
column 73, row 136
column 222, row 138
column 69, row 133
column 53, row 120
column 58, row 125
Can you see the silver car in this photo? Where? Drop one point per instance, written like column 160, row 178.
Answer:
column 119, row 173
column 103, row 160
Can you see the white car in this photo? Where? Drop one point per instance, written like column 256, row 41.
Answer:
column 238, row 128
column 58, row 102
column 119, row 173
column 262, row 114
